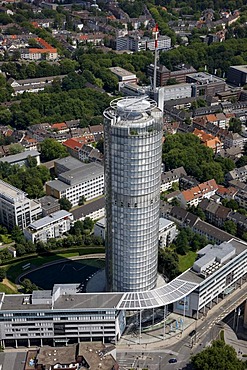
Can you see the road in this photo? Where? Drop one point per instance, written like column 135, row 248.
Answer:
column 156, row 356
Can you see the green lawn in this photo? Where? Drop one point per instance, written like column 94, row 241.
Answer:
column 5, row 289
column 186, row 261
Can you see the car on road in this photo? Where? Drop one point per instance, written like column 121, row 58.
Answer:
column 172, row 360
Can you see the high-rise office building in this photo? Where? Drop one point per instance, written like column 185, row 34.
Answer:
column 133, row 145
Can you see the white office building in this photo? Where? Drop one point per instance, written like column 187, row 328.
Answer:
column 15, row 208
column 86, row 181
column 51, row 226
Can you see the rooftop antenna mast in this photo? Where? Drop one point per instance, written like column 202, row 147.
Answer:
column 155, row 34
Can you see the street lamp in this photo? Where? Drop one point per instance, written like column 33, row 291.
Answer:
column 160, row 358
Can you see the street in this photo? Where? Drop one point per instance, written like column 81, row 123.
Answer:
column 155, row 356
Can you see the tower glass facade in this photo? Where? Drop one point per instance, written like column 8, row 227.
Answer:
column 133, row 145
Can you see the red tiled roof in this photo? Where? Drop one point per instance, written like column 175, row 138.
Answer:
column 73, row 144
column 59, row 126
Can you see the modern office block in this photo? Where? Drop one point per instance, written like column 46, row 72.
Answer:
column 15, row 208
column 133, row 145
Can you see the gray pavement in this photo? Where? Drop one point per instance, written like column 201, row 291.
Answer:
column 13, row 360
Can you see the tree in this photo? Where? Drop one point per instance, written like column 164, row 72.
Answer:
column 88, row 224
column 16, row 148
column 218, row 356
column 2, row 274
column 52, row 149
column 230, row 227
column 168, row 263
column 182, row 242
column 28, row 286
column 65, row 204
column 17, row 234
column 31, row 161
column 235, row 125
column 82, row 200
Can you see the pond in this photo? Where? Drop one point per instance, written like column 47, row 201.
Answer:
column 66, row 272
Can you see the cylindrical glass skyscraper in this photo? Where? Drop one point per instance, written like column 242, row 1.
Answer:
column 133, row 145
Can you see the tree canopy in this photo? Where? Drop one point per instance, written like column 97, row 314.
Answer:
column 198, row 160
column 29, row 179
column 218, row 356
column 52, row 149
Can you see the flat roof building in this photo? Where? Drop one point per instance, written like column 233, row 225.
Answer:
column 237, row 75
column 21, row 158
column 15, row 208
column 85, row 181
column 52, row 226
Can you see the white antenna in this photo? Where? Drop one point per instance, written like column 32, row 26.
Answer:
column 155, row 33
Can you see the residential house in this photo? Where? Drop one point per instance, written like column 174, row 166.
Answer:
column 73, row 145
column 193, row 196
column 237, row 174
column 209, row 140
column 216, row 214
column 241, row 198
column 170, row 177
column 239, row 220
column 46, row 51
column 226, row 193
column 60, row 128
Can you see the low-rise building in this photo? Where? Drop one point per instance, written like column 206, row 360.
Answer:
column 49, row 205
column 83, row 355
column 21, row 158
column 170, row 177
column 66, row 164
column 176, row 91
column 123, row 75
column 209, row 140
column 193, row 196
column 205, row 84
column 239, row 174
column 86, row 181
column 94, row 209
column 52, row 226
column 167, row 232
column 218, row 270
column 237, row 75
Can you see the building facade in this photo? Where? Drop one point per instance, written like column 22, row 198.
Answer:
column 51, row 226
column 15, row 208
column 86, row 181
column 133, row 144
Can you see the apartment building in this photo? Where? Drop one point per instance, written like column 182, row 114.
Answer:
column 167, row 232
column 86, row 181
column 15, row 208
column 46, row 51
column 52, row 226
